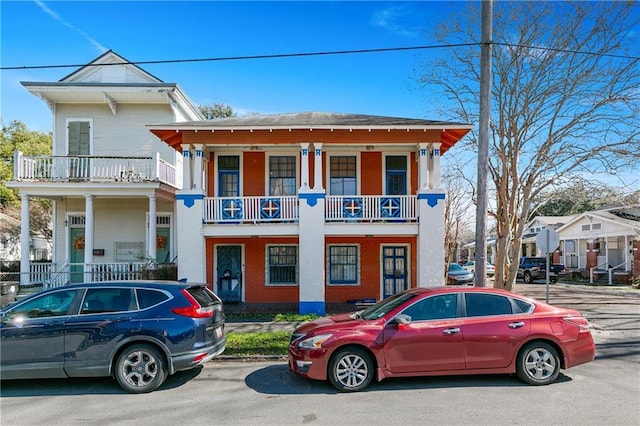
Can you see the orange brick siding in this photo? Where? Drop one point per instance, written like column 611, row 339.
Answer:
column 254, row 268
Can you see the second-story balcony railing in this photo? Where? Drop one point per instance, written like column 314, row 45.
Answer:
column 250, row 209
column 91, row 168
column 370, row 208
column 338, row 208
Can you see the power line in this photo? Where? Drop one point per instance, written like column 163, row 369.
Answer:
column 321, row 53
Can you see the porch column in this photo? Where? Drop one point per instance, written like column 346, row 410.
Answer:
column 431, row 202
column 317, row 167
column 25, row 252
column 434, row 172
column 187, row 181
column 151, row 243
column 197, row 168
column 88, row 237
column 304, row 165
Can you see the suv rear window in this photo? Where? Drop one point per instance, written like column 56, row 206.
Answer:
column 203, row 295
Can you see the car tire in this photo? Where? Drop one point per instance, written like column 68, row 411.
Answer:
column 528, row 279
column 140, row 369
column 351, row 370
column 538, row 363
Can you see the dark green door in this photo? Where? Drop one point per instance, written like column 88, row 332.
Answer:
column 77, row 255
column 394, row 269
column 163, row 245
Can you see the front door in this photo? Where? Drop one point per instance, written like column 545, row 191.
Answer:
column 163, row 245
column 229, row 273
column 76, row 258
column 396, row 175
column 394, row 270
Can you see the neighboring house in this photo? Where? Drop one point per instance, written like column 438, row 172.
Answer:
column 112, row 182
column 533, row 228
column 604, row 242
column 10, row 249
column 309, row 208
column 312, row 208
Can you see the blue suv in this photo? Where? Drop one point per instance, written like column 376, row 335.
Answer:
column 139, row 332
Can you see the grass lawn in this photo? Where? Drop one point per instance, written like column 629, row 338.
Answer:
column 267, row 343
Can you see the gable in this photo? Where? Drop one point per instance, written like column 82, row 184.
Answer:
column 110, row 68
column 595, row 225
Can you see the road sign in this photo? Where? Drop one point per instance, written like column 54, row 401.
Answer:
column 547, row 241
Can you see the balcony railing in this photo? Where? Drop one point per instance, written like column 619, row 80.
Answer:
column 89, row 168
column 341, row 208
column 250, row 209
column 370, row 208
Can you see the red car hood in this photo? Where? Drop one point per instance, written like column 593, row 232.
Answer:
column 344, row 321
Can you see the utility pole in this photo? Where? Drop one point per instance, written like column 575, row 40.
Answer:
column 483, row 142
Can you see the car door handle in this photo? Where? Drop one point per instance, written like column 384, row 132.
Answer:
column 451, row 330
column 516, row 324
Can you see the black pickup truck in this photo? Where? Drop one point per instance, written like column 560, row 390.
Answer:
column 535, row 268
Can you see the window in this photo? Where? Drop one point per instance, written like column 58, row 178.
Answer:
column 343, row 264
column 282, row 175
column 282, row 264
column 128, row 251
column 148, row 298
column 342, row 176
column 596, row 226
column 49, row 305
column 99, row 300
column 229, row 175
column 79, row 137
column 434, row 308
column 479, row 305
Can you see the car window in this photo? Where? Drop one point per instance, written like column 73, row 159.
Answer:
column 100, row 300
column 47, row 305
column 203, row 295
column 433, row 308
column 525, row 307
column 148, row 298
column 455, row 267
column 483, row 304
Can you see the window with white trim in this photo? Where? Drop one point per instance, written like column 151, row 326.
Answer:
column 282, row 175
column 343, row 264
column 282, row 265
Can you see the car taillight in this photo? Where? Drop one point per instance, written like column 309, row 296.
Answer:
column 578, row 321
column 194, row 310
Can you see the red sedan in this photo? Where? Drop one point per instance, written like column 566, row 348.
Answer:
column 442, row 331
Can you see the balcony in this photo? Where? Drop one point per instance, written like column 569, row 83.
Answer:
column 338, row 208
column 88, row 168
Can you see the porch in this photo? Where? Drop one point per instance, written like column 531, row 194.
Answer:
column 89, row 168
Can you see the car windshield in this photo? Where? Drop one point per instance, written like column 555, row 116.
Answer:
column 455, row 267
column 385, row 306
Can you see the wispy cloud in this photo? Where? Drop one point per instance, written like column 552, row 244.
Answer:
column 58, row 18
column 393, row 19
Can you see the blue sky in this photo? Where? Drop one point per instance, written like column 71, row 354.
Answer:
column 62, row 32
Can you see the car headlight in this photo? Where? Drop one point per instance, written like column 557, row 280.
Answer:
column 314, row 342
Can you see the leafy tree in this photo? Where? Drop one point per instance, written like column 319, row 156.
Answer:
column 217, row 110
column 565, row 100
column 16, row 137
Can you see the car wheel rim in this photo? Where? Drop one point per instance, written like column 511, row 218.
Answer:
column 351, row 371
column 139, row 369
column 540, row 364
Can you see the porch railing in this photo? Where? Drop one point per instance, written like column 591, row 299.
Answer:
column 91, row 168
column 250, row 209
column 370, row 208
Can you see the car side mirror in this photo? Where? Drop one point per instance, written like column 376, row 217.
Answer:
column 402, row 320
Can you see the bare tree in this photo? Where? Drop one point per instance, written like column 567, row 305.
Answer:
column 565, row 101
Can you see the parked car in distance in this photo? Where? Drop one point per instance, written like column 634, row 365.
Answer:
column 442, row 331
column 470, row 265
column 138, row 332
column 456, row 274
column 535, row 268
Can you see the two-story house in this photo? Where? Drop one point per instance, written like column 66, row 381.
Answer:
column 311, row 208
column 307, row 208
column 111, row 181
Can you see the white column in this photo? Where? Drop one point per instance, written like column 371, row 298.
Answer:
column 151, row 243
column 434, row 173
column 317, row 167
column 311, row 255
column 423, row 168
column 88, row 236
column 25, row 252
column 187, row 182
column 197, row 168
column 304, row 167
